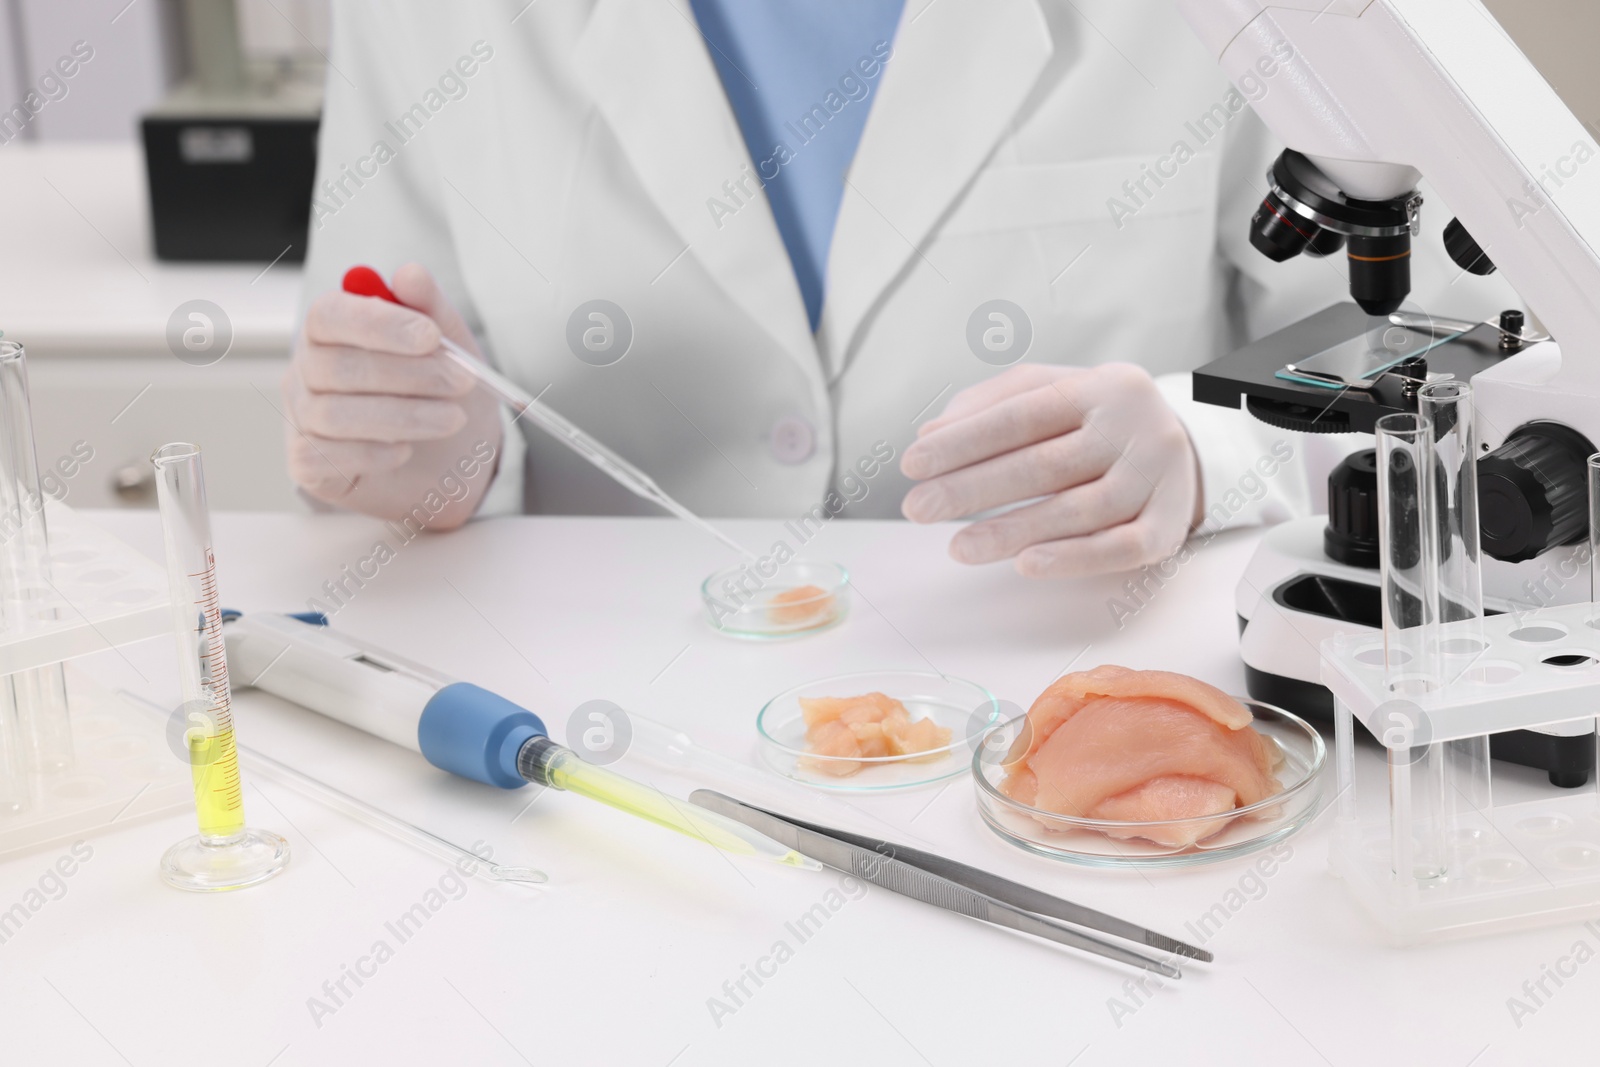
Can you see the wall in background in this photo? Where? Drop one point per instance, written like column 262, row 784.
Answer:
column 137, row 53
column 1560, row 37
column 10, row 54
column 132, row 49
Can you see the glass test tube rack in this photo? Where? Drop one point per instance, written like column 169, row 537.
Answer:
column 1425, row 851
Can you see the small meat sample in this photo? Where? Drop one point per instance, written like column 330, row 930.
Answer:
column 800, row 605
column 871, row 726
column 1140, row 746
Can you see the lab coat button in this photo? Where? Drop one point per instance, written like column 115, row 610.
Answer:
column 792, row 440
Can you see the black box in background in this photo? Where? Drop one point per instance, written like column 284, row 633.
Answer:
column 230, row 187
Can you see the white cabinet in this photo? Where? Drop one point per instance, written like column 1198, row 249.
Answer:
column 96, row 421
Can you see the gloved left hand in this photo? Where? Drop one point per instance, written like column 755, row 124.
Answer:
column 1107, row 463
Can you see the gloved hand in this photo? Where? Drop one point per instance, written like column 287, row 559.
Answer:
column 378, row 412
column 1113, row 464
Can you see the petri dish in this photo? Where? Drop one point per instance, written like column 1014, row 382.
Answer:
column 800, row 597
column 966, row 709
column 1109, row 843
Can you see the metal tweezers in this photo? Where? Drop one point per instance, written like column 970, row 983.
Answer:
column 955, row 886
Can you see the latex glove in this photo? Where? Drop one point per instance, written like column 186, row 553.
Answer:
column 378, row 412
column 1112, row 462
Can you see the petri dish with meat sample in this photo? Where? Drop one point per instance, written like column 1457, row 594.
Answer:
column 875, row 730
column 765, row 600
column 1131, row 781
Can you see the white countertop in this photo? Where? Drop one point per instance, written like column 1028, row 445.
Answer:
column 615, row 962
column 78, row 276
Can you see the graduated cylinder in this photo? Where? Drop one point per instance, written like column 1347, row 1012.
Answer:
column 225, row 854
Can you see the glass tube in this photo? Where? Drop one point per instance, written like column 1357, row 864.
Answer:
column 1409, row 540
column 1448, row 406
column 38, row 697
column 225, row 854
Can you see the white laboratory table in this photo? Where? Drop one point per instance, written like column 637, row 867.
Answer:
column 617, row 960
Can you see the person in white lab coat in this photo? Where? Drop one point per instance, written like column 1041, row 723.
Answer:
column 575, row 191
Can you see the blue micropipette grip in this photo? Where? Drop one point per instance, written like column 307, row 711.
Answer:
column 476, row 734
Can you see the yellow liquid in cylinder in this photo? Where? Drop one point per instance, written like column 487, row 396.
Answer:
column 214, row 763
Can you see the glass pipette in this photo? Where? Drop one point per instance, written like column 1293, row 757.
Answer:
column 542, row 760
column 409, row 833
column 226, row 854
column 671, row 749
column 364, row 281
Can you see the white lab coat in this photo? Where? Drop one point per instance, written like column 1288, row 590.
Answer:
column 581, row 157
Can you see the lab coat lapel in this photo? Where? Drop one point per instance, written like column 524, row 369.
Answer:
column 646, row 66
column 958, row 74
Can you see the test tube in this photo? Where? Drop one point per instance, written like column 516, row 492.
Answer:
column 14, row 792
column 1594, row 569
column 1409, row 534
column 226, row 854
column 1448, row 405
column 1409, row 539
column 14, row 762
column 1594, row 531
column 38, row 697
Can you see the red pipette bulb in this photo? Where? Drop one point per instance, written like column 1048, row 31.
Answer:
column 364, row 281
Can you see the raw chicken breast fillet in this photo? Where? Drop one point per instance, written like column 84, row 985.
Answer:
column 1140, row 746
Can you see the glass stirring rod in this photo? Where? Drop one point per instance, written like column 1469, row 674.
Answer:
column 364, row 281
column 399, row 829
column 410, row 833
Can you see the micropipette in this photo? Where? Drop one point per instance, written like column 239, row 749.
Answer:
column 399, row 829
column 364, row 281
column 226, row 854
column 456, row 726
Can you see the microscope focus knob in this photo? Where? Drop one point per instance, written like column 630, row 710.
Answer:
column 1465, row 251
column 1533, row 492
column 1351, row 536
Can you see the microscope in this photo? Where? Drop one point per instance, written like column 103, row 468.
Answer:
column 1373, row 95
